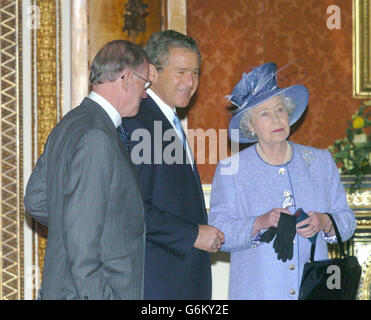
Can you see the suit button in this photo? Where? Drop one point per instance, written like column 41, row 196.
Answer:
column 292, row 267
column 292, row 292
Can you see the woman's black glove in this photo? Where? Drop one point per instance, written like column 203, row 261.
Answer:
column 284, row 243
column 268, row 235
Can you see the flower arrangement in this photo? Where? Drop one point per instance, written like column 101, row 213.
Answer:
column 353, row 153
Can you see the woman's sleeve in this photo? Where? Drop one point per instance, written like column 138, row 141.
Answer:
column 342, row 214
column 225, row 213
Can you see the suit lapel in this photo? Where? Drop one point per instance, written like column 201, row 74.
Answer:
column 98, row 111
column 158, row 115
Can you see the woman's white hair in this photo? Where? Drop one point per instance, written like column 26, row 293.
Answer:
column 288, row 103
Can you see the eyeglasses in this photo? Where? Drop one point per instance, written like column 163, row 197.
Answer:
column 147, row 83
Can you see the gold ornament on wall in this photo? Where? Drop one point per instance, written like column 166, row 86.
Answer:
column 135, row 18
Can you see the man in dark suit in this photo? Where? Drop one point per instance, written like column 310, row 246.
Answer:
column 179, row 241
column 84, row 188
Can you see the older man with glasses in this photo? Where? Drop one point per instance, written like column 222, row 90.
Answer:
column 85, row 190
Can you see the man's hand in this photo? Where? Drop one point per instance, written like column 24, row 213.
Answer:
column 209, row 238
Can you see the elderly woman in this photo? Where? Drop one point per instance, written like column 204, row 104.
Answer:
column 275, row 178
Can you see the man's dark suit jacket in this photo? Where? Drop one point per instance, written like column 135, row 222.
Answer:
column 174, row 207
column 85, row 189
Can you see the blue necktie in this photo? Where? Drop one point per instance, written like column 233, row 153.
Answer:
column 179, row 128
column 124, row 134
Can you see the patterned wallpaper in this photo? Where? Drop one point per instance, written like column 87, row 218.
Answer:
column 234, row 35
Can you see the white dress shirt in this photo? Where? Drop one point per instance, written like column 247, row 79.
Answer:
column 169, row 113
column 109, row 108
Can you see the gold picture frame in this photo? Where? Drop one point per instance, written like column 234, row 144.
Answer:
column 361, row 49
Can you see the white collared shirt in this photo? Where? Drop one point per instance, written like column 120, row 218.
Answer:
column 109, row 108
column 169, row 113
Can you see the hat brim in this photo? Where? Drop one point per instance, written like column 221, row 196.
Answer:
column 297, row 93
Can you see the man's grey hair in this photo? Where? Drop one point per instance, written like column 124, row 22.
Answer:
column 287, row 102
column 114, row 57
column 159, row 45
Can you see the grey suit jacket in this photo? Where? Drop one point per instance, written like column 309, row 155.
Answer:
column 84, row 188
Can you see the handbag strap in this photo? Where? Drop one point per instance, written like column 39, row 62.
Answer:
column 338, row 237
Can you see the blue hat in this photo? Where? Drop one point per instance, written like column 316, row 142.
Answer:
column 260, row 85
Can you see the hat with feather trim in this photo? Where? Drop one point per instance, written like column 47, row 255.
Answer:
column 258, row 86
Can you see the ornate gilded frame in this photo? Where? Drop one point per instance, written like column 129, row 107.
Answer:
column 47, row 98
column 11, row 178
column 361, row 49
column 360, row 244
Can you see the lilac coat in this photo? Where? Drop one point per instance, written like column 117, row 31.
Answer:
column 313, row 180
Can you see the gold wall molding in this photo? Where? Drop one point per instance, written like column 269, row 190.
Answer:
column 366, row 286
column 360, row 244
column 362, row 249
column 363, row 223
column 360, row 199
column 79, row 51
column 47, row 99
column 11, row 183
column 361, row 49
column 177, row 15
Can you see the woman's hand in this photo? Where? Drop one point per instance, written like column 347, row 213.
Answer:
column 316, row 222
column 267, row 220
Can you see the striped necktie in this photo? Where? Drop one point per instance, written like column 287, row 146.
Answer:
column 124, row 134
column 179, row 128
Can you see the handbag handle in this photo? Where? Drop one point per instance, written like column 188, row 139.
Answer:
column 338, row 237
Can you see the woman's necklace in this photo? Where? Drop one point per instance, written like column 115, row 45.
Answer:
column 265, row 159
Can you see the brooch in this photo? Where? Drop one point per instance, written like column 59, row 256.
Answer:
column 308, row 156
column 288, row 201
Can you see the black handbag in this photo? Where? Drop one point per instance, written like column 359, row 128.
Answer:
column 330, row 279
